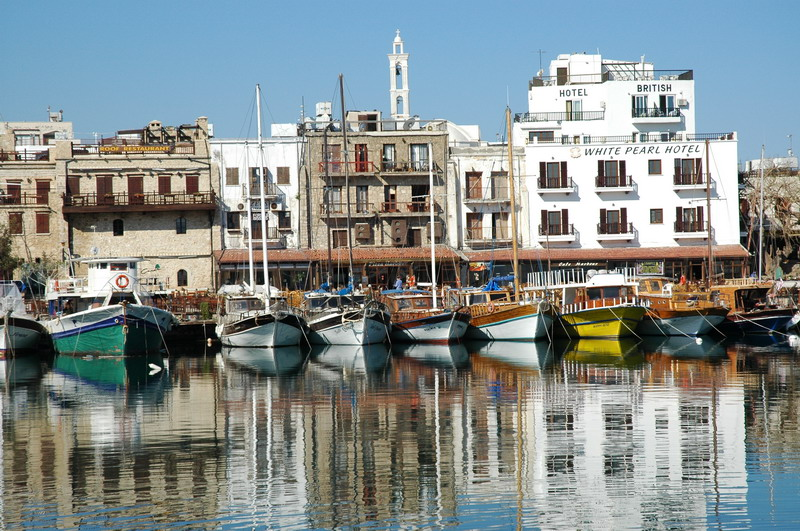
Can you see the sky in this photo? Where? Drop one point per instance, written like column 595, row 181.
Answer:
column 118, row 65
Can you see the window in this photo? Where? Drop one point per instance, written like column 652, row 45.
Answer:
column 283, row 175
column 233, row 221
column 333, row 199
column 362, row 158
column 42, row 223
column 474, row 185
column 15, row 222
column 555, row 223
column 183, row 278
column 231, row 176
column 284, row 220
column 42, row 192
column 613, row 221
column 105, row 190
column 255, row 177
column 419, row 157
column 474, row 226
column 666, row 104
column 553, row 175
column 498, row 184
column 689, row 219
column 362, row 199
column 388, row 161
column 118, row 227
column 14, row 193
column 27, row 139
column 573, row 110
column 339, row 237
column 541, row 136
column 500, row 226
column 639, row 105
column 689, row 171
column 192, row 184
column 136, row 189
column 654, row 167
column 73, row 184
column 180, row 225
column 165, row 184
column 611, row 173
column 656, row 216
column 390, row 198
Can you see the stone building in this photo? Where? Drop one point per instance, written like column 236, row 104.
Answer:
column 149, row 193
column 30, row 206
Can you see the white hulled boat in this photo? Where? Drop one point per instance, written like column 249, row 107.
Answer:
column 19, row 331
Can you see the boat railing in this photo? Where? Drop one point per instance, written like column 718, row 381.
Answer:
column 616, row 302
column 68, row 286
column 559, row 277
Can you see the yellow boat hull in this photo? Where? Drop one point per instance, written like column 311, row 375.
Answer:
column 605, row 322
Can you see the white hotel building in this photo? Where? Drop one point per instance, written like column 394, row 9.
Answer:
column 617, row 176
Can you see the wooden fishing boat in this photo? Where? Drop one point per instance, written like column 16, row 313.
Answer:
column 754, row 308
column 677, row 310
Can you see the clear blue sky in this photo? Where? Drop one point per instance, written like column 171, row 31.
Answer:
column 118, row 65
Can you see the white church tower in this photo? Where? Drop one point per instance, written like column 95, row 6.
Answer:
column 398, row 75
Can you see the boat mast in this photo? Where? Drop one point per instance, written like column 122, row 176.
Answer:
column 710, row 278
column 512, row 194
column 346, row 179
column 263, row 183
column 761, row 217
column 433, row 232
column 249, row 199
column 327, row 199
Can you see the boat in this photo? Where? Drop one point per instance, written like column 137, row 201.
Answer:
column 352, row 358
column 279, row 361
column 20, row 332
column 453, row 355
column 673, row 309
column 508, row 315
column 106, row 313
column 345, row 317
column 416, row 318
column 258, row 318
column 604, row 306
column 521, row 355
column 754, row 309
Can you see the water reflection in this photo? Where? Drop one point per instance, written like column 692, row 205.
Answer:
column 267, row 361
column 656, row 434
column 452, row 355
column 20, row 370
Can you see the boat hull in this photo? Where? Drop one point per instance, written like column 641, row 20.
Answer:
column 19, row 334
column 757, row 322
column 602, row 322
column 440, row 327
column 262, row 330
column 680, row 324
column 353, row 327
column 117, row 330
column 512, row 322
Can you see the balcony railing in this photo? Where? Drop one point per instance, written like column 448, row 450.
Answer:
column 340, row 208
column 688, row 179
column 23, row 198
column 125, row 199
column 555, row 184
column 271, row 190
column 634, row 138
column 574, row 116
column 655, row 112
column 389, row 207
column 631, row 73
column 613, row 181
column 494, row 193
column 691, row 226
column 615, row 228
column 132, row 148
column 557, row 230
column 406, row 166
column 25, row 155
column 338, row 167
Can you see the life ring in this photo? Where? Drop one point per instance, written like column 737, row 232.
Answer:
column 490, row 307
column 122, row 281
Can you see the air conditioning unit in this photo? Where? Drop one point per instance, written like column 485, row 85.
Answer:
column 683, row 102
column 240, row 206
column 399, row 232
column 274, row 206
column 363, row 231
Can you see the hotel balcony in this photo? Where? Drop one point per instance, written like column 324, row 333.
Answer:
column 615, row 232
column 496, row 194
column 144, row 202
column 615, row 183
column 555, row 185
column 336, row 168
column 690, row 230
column 338, row 210
column 689, row 181
column 11, row 198
column 656, row 115
column 270, row 192
column 557, row 233
column 26, row 155
column 413, row 208
column 418, row 166
column 574, row 116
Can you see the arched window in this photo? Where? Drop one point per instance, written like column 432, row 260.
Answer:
column 398, row 75
column 183, row 278
column 118, row 227
column 180, row 225
column 400, row 105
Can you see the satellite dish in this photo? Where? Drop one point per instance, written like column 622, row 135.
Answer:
column 94, row 251
column 408, row 124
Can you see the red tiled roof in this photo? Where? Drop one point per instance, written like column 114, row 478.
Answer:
column 618, row 253
column 360, row 254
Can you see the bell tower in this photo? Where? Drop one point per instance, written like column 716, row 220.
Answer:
column 398, row 81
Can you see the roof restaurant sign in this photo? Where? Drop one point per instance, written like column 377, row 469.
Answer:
column 644, row 149
column 135, row 149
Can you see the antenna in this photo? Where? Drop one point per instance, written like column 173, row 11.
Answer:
column 791, row 152
column 540, row 52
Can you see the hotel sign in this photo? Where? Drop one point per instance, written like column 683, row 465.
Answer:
column 644, row 149
column 135, row 149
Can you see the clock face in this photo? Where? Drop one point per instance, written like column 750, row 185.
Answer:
column 575, row 152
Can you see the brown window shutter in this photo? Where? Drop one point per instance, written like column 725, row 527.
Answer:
column 699, row 218
column 564, row 174
column 678, row 218
column 545, row 228
column 603, row 224
column 623, row 176
column 698, row 170
column 42, row 223
column 542, row 174
column 601, row 172
column 73, row 185
column 623, row 220
column 565, row 221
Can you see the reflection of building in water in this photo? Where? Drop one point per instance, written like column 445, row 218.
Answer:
column 630, row 450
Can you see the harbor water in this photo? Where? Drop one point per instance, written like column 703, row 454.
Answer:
column 660, row 433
